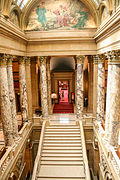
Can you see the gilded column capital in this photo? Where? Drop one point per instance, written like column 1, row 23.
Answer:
column 99, row 58
column 27, row 61
column 80, row 59
column 3, row 59
column 113, row 57
column 22, row 59
column 9, row 60
column 43, row 59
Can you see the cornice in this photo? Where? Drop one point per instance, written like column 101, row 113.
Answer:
column 110, row 25
column 7, row 27
column 41, row 36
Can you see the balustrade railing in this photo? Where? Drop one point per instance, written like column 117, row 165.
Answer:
column 13, row 151
column 38, row 157
column 108, row 150
column 86, row 167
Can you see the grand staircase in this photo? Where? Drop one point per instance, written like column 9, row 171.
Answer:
column 61, row 154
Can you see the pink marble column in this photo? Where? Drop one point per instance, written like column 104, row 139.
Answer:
column 43, row 78
column 79, row 107
column 12, row 98
column 5, row 103
column 23, row 90
column 112, row 124
column 100, row 88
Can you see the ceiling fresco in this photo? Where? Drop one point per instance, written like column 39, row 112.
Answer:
column 60, row 15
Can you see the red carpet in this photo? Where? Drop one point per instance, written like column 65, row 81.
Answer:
column 63, row 108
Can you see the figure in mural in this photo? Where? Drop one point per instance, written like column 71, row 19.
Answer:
column 62, row 16
column 82, row 17
column 41, row 12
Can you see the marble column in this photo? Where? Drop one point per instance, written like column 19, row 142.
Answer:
column 90, row 85
column 100, row 89
column 112, row 124
column 75, row 85
column 23, row 90
column 80, row 61
column 29, row 87
column 43, row 78
column 12, row 98
column 49, row 87
column 95, row 75
column 5, row 103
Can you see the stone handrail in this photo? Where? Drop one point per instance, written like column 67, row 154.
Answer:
column 109, row 151
column 37, row 160
column 87, row 171
column 116, row 159
column 12, row 152
column 6, row 159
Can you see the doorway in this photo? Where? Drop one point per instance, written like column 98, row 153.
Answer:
column 63, row 91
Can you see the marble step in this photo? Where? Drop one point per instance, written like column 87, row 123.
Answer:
column 62, row 127
column 70, row 163
column 61, row 141
column 62, row 148
column 62, row 135
column 62, row 130
column 70, row 151
column 77, row 155
column 61, row 171
column 54, row 158
column 61, row 145
column 68, row 138
column 60, row 178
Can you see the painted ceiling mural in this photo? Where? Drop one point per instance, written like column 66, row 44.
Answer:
column 60, row 15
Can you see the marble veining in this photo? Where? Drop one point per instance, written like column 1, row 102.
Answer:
column 100, row 92
column 114, row 116
column 23, row 92
column 5, row 107
column 43, row 78
column 79, row 89
column 12, row 101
